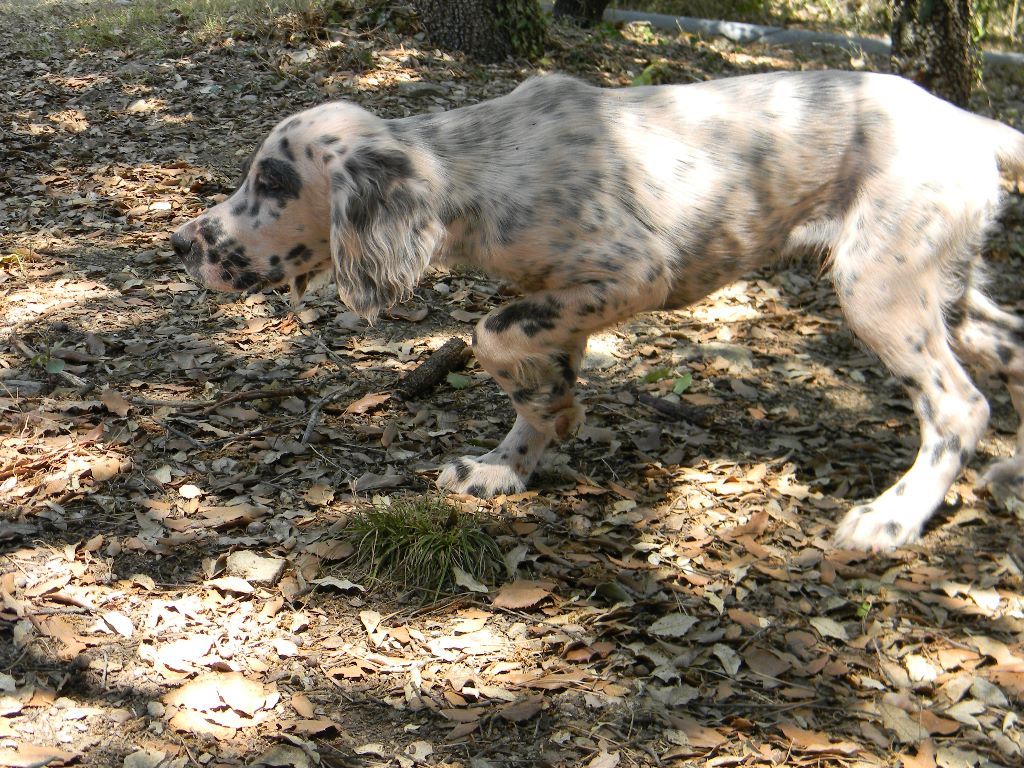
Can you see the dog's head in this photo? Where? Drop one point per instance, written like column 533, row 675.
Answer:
column 330, row 187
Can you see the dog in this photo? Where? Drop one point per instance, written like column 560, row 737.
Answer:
column 602, row 203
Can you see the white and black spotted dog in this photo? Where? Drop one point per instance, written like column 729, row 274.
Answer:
column 601, row 203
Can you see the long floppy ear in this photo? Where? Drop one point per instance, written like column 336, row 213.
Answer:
column 384, row 229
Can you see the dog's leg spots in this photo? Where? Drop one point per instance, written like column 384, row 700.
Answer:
column 951, row 424
column 985, row 334
column 906, row 329
column 504, row 470
column 533, row 347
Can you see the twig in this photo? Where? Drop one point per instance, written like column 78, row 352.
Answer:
column 314, row 419
column 315, row 413
column 679, row 411
column 450, row 356
column 205, row 406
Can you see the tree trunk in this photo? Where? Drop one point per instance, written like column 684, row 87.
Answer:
column 932, row 45
column 583, row 11
column 487, row 30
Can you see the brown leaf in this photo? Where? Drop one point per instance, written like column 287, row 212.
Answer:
column 936, row 724
column 32, row 756
column 523, row 709
column 813, row 741
column 755, row 527
column 193, row 722
column 303, row 706
column 114, row 402
column 604, row 760
column 310, row 726
column 104, row 469
column 522, row 593
column 925, row 757
column 698, row 735
column 368, row 402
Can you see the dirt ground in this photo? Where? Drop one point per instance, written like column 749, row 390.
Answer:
column 176, row 467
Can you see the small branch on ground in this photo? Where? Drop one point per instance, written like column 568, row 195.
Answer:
column 679, row 411
column 451, row 356
column 205, row 406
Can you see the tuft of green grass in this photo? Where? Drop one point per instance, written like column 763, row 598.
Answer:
column 424, row 543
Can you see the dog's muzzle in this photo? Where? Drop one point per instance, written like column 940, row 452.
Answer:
column 184, row 248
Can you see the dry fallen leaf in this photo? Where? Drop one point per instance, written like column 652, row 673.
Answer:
column 521, row 594
column 368, row 402
column 523, row 709
column 813, row 741
column 114, row 402
column 672, row 625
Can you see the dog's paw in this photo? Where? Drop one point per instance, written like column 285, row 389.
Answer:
column 480, row 478
column 873, row 528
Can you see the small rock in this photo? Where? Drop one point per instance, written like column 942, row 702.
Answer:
column 254, row 568
column 736, row 354
column 422, row 88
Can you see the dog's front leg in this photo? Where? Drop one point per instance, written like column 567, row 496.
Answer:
column 533, row 348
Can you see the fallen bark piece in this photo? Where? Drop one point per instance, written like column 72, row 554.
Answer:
column 451, row 356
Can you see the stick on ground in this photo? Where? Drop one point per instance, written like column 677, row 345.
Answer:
column 451, row 356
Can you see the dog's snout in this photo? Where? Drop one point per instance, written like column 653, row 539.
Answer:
column 182, row 245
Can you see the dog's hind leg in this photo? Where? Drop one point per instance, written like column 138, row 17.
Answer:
column 986, row 335
column 894, row 298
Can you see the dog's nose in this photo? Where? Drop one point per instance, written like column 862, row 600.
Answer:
column 181, row 245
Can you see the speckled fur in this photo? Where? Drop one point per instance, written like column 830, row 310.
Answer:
column 600, row 204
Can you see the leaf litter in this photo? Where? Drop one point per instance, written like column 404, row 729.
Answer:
column 177, row 469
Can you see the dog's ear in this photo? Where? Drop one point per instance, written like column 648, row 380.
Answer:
column 384, row 229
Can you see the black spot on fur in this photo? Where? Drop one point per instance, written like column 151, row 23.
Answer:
column 300, row 252
column 211, row 230
column 375, row 174
column 245, row 280
column 286, row 150
column 951, row 444
column 531, row 317
column 462, row 470
column 278, row 180
column 563, row 362
column 927, row 409
column 522, row 395
column 893, row 529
